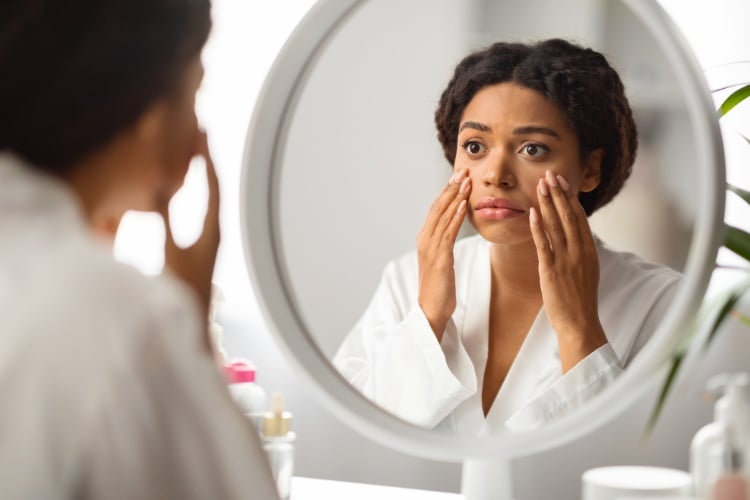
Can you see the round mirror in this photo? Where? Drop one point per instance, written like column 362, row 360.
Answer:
column 342, row 164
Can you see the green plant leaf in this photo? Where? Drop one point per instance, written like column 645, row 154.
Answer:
column 728, row 306
column 745, row 195
column 734, row 99
column 727, row 267
column 725, row 306
column 737, row 241
column 666, row 389
column 742, row 317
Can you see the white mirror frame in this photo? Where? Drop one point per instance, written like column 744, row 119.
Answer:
column 264, row 150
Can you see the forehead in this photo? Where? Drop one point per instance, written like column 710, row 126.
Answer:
column 505, row 106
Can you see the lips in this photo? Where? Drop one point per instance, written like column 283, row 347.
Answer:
column 497, row 209
column 497, row 203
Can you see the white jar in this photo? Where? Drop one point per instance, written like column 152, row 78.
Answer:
column 631, row 482
column 249, row 396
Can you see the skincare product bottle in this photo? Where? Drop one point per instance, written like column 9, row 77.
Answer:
column 731, row 483
column 278, row 441
column 249, row 396
column 709, row 446
column 215, row 331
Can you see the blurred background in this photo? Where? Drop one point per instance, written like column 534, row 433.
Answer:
column 245, row 40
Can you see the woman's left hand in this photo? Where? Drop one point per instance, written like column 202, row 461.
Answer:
column 568, row 269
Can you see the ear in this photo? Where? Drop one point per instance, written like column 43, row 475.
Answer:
column 592, row 171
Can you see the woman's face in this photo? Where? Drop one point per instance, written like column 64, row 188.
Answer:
column 509, row 136
column 170, row 139
column 181, row 136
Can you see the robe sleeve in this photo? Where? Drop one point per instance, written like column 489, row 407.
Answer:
column 635, row 299
column 394, row 358
column 581, row 383
column 165, row 426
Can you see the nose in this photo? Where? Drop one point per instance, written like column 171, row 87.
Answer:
column 498, row 170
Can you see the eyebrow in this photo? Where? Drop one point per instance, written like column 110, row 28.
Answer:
column 527, row 130
column 475, row 125
column 532, row 129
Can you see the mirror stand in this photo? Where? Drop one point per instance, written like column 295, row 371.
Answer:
column 487, row 479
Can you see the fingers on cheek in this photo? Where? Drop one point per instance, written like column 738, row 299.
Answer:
column 461, row 208
column 544, row 196
column 458, row 176
column 465, row 187
column 542, row 190
column 539, row 236
column 563, row 183
column 537, row 229
column 534, row 217
column 548, row 214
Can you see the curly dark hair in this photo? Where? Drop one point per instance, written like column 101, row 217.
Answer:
column 578, row 80
column 75, row 74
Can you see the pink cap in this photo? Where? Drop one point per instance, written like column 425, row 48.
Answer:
column 238, row 372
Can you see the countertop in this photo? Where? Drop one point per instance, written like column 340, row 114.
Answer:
column 305, row 488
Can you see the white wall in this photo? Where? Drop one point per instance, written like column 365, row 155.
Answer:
column 362, row 163
column 326, row 448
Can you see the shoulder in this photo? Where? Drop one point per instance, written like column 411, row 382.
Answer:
column 630, row 272
column 105, row 302
column 99, row 323
column 95, row 278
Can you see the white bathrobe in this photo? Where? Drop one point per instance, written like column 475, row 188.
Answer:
column 106, row 389
column 394, row 358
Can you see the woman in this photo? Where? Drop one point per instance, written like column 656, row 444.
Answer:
column 108, row 386
column 534, row 315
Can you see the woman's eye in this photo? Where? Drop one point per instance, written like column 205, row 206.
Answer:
column 535, row 150
column 473, row 148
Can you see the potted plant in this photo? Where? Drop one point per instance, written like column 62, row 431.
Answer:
column 717, row 312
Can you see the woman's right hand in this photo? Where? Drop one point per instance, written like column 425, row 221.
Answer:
column 437, row 280
column 195, row 264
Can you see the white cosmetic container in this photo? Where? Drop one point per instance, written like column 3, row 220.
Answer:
column 727, row 436
column 249, row 396
column 635, row 482
column 278, row 441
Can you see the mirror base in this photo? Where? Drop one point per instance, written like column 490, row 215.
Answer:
column 487, row 479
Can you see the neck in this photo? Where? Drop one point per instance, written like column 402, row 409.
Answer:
column 516, row 268
column 95, row 184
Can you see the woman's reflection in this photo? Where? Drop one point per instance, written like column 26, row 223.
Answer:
column 534, row 315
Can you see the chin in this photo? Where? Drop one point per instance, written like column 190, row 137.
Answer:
column 504, row 234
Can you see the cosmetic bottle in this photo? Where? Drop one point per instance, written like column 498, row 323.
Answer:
column 249, row 396
column 729, row 433
column 731, row 484
column 215, row 331
column 278, row 441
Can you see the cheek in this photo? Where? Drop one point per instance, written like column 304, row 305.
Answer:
column 181, row 146
column 571, row 170
column 529, row 185
column 457, row 165
column 462, row 161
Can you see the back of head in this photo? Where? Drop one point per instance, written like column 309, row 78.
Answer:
column 75, row 74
